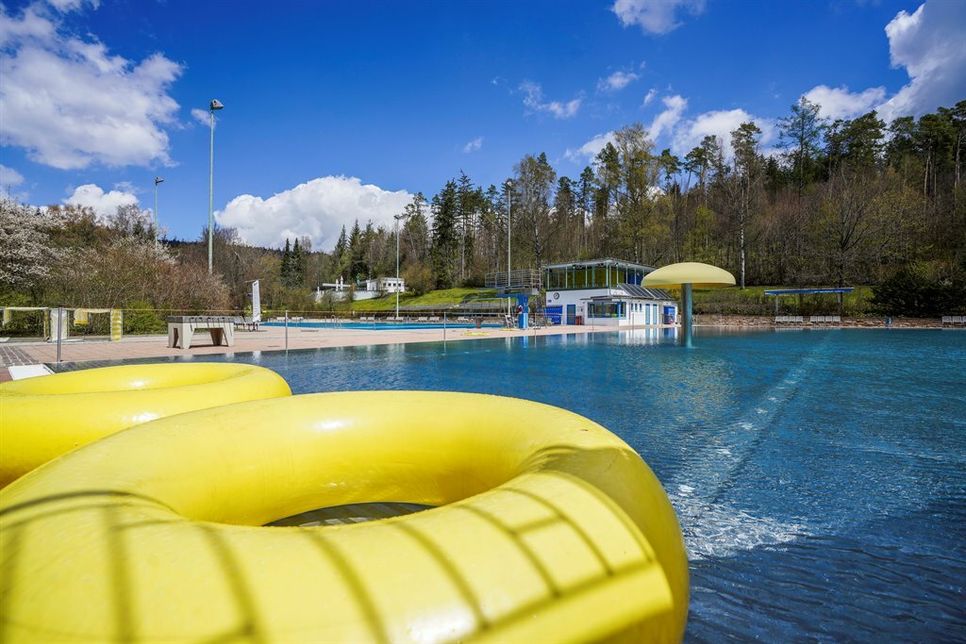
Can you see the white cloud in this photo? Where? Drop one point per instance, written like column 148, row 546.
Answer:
column 200, row 115
column 688, row 134
column 666, row 120
column 103, row 203
column 69, row 102
column 533, row 100
column 474, row 145
column 72, row 5
column 317, row 208
column 9, row 177
column 655, row 16
column 840, row 103
column 929, row 43
column 616, row 81
column 650, row 96
column 590, row 149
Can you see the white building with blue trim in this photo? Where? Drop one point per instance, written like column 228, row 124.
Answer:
column 605, row 292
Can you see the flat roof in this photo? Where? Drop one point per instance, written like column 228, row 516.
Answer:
column 607, row 261
column 810, row 291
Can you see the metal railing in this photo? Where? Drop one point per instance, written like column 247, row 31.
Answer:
column 520, row 279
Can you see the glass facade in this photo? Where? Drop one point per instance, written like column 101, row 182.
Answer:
column 577, row 276
column 607, row 309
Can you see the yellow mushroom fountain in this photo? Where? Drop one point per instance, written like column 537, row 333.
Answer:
column 686, row 276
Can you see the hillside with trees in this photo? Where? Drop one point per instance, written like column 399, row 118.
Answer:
column 844, row 202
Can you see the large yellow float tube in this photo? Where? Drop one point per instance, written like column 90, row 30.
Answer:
column 549, row 528
column 41, row 418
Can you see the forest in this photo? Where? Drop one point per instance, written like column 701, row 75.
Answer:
column 843, row 202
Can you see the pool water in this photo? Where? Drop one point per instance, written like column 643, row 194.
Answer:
column 819, row 476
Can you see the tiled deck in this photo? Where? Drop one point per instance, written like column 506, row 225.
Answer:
column 267, row 339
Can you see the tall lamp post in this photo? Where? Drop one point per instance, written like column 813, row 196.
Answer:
column 509, row 200
column 157, row 180
column 212, row 107
column 398, row 218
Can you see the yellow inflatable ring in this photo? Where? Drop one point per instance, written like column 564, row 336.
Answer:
column 547, row 528
column 41, row 418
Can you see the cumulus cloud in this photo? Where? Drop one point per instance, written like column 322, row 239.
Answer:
column 317, row 208
column 616, row 81
column 473, row 146
column 590, row 149
column 840, row 103
column 534, row 101
column 666, row 120
column 104, row 204
column 930, row 45
column 650, row 96
column 69, row 102
column 655, row 16
column 688, row 134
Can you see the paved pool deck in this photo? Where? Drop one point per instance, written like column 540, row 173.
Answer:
column 265, row 339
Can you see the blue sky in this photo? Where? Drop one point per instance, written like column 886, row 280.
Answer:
column 97, row 97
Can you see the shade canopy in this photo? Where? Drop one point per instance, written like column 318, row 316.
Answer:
column 695, row 273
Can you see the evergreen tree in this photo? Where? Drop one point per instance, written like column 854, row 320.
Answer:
column 357, row 261
column 286, row 270
column 445, row 235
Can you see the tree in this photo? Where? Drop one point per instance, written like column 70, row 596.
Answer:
column 744, row 143
column 445, row 235
column 801, row 133
column 533, row 192
column 25, row 251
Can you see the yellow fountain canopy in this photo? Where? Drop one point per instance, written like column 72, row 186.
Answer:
column 695, row 273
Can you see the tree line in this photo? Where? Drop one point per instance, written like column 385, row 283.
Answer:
column 838, row 202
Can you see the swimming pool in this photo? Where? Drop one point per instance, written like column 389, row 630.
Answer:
column 378, row 326
column 819, row 476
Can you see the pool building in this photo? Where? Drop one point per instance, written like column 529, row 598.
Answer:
column 605, row 292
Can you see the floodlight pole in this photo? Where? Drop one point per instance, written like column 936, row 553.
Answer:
column 509, row 210
column 157, row 180
column 214, row 105
column 398, row 218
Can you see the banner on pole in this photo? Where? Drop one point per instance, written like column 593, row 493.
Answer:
column 256, row 303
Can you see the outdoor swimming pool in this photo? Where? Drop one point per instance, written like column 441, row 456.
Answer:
column 819, row 476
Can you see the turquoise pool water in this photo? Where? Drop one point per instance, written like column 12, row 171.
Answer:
column 819, row 476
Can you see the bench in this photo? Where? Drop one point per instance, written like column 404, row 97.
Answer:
column 953, row 320
column 789, row 319
column 181, row 328
column 825, row 319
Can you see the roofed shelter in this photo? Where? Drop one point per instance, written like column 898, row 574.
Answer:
column 779, row 293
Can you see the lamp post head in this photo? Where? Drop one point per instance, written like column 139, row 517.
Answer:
column 404, row 215
column 215, row 105
column 158, row 180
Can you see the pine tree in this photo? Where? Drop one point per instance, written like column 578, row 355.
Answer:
column 286, row 271
column 445, row 240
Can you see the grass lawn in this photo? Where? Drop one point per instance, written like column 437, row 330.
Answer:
column 443, row 299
